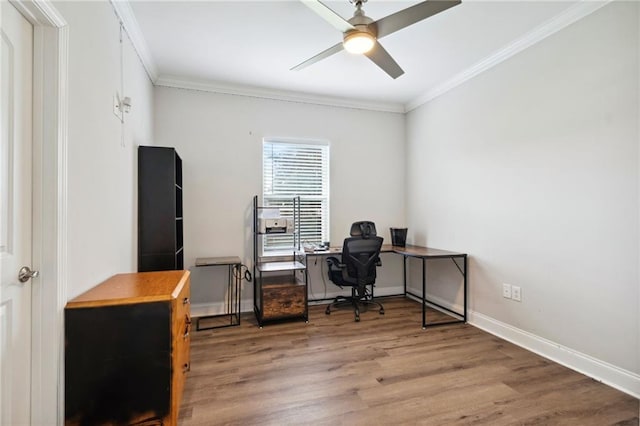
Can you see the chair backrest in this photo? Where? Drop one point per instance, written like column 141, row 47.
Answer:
column 363, row 228
column 360, row 255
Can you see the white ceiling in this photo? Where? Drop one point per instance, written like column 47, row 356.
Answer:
column 251, row 45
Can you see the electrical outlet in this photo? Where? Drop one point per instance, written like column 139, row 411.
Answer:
column 506, row 291
column 516, row 293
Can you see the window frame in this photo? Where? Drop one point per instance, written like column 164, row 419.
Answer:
column 269, row 245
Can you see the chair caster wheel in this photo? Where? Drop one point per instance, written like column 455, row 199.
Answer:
column 357, row 319
column 381, row 311
column 327, row 312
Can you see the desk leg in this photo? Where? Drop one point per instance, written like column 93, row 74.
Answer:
column 465, row 288
column 404, row 274
column 306, row 294
column 229, row 295
column 238, row 290
column 424, row 293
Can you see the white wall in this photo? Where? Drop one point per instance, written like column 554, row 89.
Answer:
column 532, row 168
column 219, row 138
column 102, row 203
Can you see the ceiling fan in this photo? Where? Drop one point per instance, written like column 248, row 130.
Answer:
column 361, row 33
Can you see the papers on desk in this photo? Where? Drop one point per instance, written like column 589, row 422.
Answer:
column 312, row 248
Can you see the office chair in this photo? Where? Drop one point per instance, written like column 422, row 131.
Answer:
column 357, row 268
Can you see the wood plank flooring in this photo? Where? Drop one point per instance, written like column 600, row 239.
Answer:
column 384, row 370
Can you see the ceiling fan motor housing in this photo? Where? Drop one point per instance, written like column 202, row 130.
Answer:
column 361, row 23
column 359, row 30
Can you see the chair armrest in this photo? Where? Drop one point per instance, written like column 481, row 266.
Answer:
column 334, row 262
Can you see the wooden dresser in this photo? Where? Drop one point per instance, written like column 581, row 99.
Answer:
column 127, row 350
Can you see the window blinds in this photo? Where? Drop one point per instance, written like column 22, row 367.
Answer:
column 291, row 169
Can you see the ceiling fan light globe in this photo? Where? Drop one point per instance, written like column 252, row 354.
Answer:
column 358, row 42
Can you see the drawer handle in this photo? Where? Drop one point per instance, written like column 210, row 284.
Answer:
column 187, row 327
column 186, row 301
column 186, row 367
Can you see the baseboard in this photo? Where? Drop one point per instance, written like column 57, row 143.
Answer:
column 388, row 291
column 246, row 305
column 204, row 309
column 217, row 308
column 380, row 291
column 616, row 377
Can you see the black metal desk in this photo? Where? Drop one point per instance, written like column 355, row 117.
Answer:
column 424, row 254
column 233, row 264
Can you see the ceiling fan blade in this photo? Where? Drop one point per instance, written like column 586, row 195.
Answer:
column 330, row 51
column 337, row 21
column 382, row 59
column 411, row 15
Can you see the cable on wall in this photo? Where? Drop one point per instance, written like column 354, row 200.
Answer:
column 238, row 274
column 122, row 142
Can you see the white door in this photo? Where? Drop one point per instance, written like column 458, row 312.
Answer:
column 15, row 215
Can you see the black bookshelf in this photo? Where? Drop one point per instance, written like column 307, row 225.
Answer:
column 160, row 222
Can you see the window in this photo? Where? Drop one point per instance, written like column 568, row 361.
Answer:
column 291, row 169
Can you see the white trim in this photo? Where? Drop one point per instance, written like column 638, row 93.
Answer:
column 216, row 308
column 62, row 185
column 40, row 13
column 206, row 309
column 638, row 209
column 37, row 316
column 130, row 23
column 381, row 290
column 246, row 305
column 552, row 26
column 616, row 377
column 127, row 18
column 443, row 302
column 296, row 141
column 49, row 293
column 280, row 95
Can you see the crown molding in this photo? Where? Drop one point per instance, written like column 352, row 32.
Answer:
column 130, row 24
column 280, row 95
column 573, row 14
column 126, row 16
column 552, row 26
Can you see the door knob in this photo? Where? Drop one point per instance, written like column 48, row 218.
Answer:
column 25, row 274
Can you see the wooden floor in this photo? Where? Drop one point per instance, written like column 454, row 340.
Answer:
column 384, row 370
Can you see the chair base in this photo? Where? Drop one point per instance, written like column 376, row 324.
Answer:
column 355, row 302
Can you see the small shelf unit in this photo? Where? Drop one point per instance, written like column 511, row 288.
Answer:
column 280, row 287
column 160, row 221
